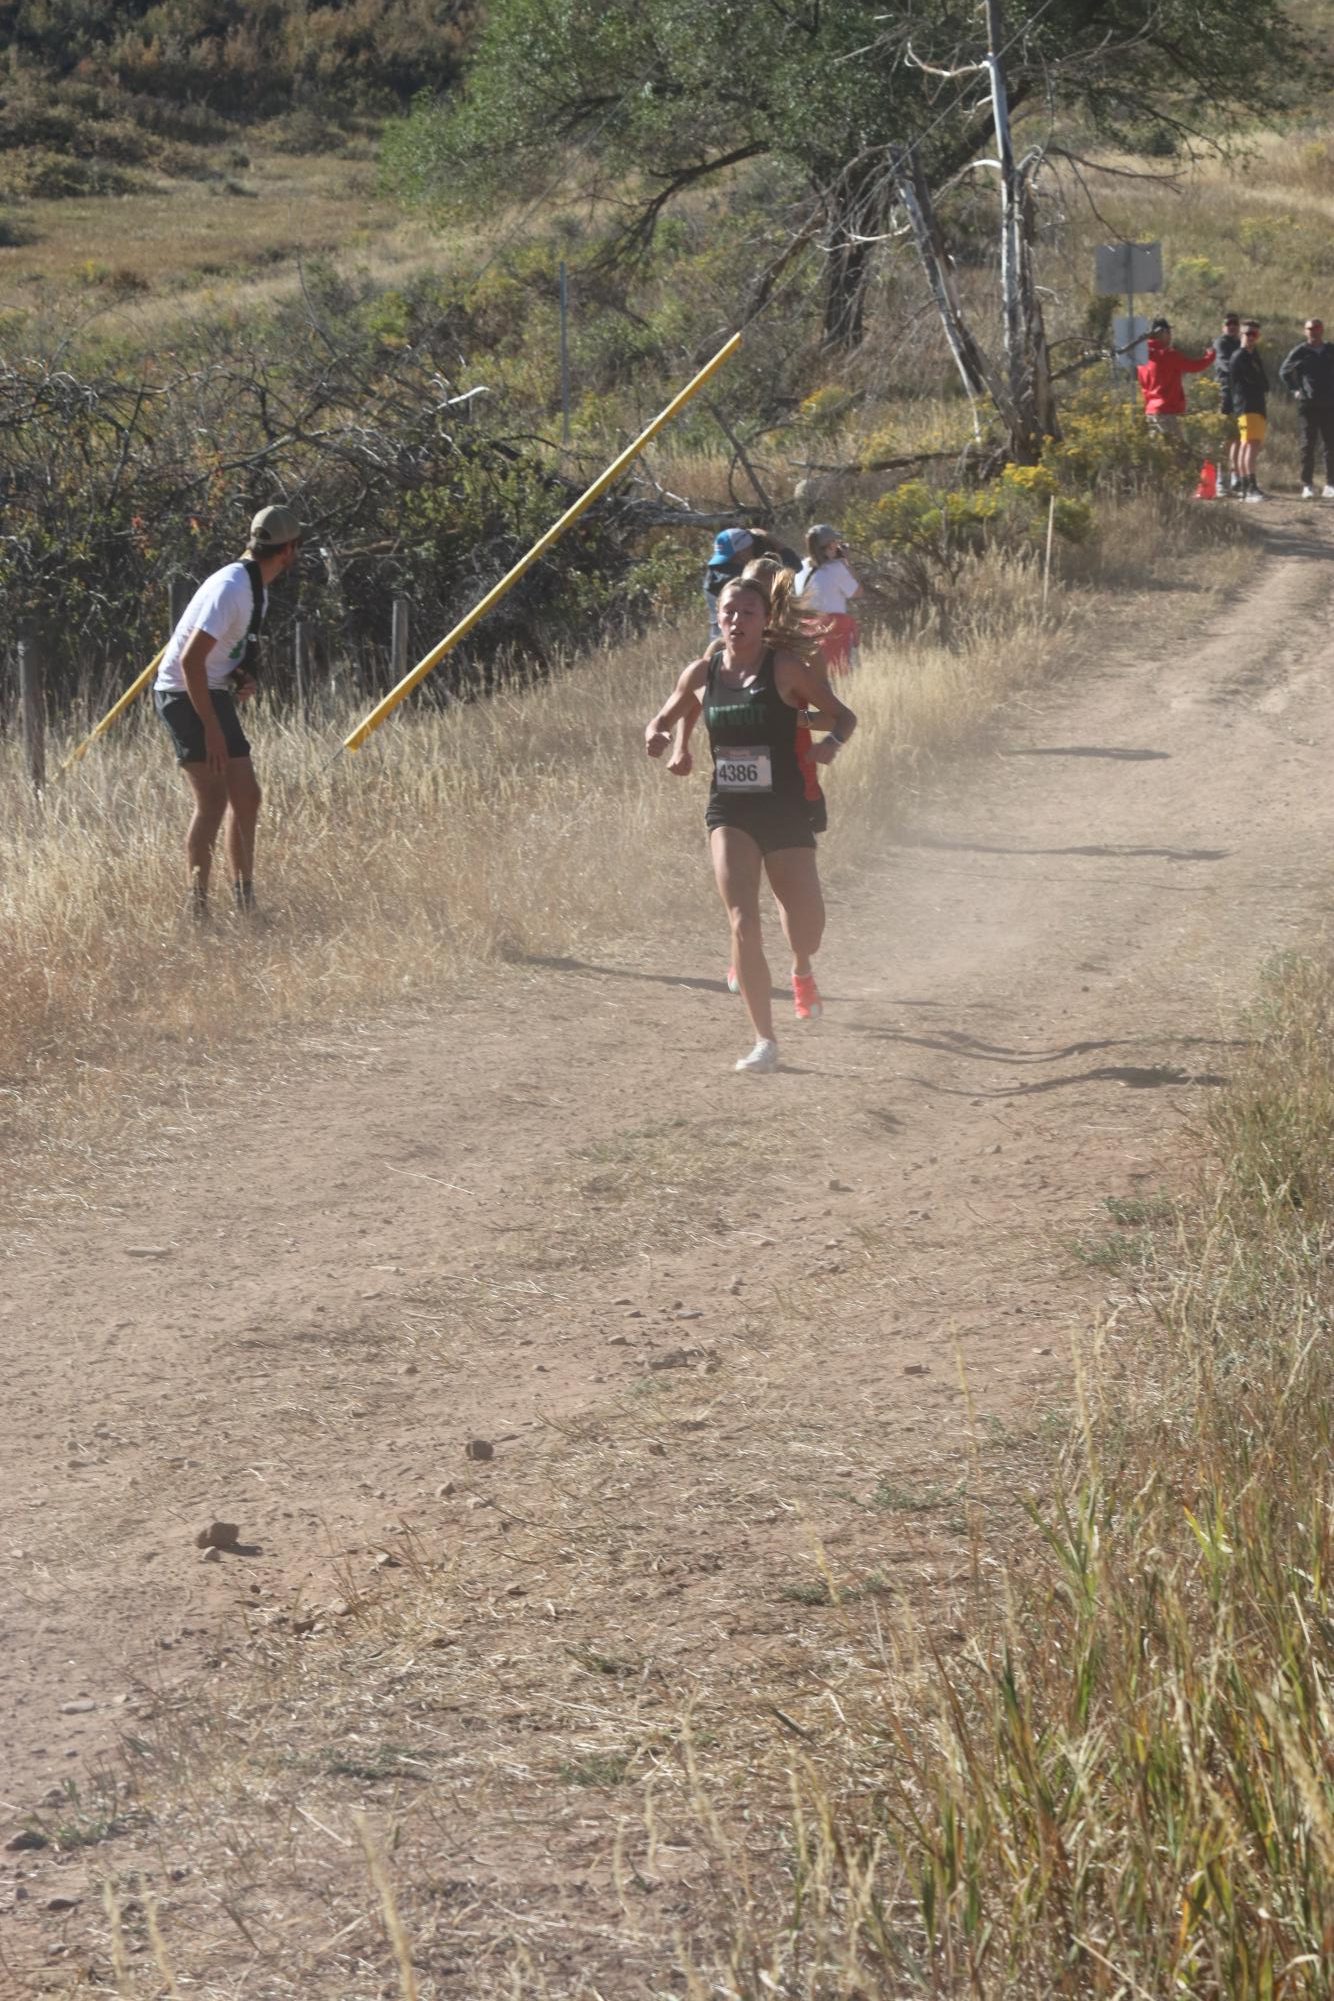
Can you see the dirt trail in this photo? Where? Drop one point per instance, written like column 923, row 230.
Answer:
column 325, row 1280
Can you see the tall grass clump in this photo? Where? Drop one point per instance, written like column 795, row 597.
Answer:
column 457, row 835
column 1123, row 1783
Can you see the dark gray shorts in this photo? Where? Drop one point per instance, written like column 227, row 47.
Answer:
column 185, row 725
column 771, row 823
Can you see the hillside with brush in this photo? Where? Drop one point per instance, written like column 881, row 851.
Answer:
column 318, row 252
column 97, row 99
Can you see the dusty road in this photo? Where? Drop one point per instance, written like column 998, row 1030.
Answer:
column 319, row 1283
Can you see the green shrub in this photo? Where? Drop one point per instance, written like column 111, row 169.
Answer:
column 1197, row 281
column 187, row 163
column 43, row 175
column 305, row 131
column 1312, row 167
column 1107, row 447
column 825, row 408
column 917, row 518
column 1270, row 239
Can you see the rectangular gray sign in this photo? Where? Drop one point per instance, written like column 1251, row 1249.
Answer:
column 1129, row 267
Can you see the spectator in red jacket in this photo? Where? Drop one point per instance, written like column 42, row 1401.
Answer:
column 1162, row 385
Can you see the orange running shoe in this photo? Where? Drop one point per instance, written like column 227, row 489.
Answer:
column 806, row 997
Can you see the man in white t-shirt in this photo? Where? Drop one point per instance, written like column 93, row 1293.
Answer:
column 207, row 668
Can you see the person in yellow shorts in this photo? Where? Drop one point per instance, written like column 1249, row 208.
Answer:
column 1248, row 397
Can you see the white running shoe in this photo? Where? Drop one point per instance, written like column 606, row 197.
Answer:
column 1327, row 493
column 1308, row 492
column 764, row 1056
column 1255, row 494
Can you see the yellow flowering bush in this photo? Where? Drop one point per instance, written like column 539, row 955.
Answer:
column 946, row 524
column 1106, row 446
column 824, row 409
column 1031, row 481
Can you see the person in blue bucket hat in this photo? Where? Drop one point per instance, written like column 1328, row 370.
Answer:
column 731, row 553
column 733, row 548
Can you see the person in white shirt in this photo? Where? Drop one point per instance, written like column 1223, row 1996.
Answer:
column 207, row 668
column 826, row 587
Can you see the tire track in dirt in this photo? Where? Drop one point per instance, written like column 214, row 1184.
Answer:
column 330, row 1275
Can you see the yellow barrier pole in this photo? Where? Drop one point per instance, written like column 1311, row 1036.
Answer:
column 539, row 548
column 141, row 681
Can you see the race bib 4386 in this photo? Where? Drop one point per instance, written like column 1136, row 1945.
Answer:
column 737, row 769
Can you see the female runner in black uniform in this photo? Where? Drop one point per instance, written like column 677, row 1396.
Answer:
column 759, row 813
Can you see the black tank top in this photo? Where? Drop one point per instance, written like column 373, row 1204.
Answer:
column 753, row 719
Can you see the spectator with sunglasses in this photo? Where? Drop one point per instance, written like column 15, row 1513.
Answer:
column 1309, row 373
column 1248, row 401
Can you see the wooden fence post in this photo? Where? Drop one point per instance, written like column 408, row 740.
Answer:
column 301, row 659
column 32, row 701
column 400, row 641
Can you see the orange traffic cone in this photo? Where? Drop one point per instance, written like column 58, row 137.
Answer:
column 1208, row 486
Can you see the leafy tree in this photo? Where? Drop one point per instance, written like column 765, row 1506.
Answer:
column 661, row 95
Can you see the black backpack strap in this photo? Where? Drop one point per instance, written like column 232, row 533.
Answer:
column 256, row 576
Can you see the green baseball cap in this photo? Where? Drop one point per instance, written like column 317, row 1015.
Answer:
column 273, row 528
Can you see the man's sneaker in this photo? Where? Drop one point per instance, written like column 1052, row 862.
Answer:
column 764, row 1056
column 733, row 983
column 1254, row 493
column 1308, row 492
column 806, row 997
column 1327, row 493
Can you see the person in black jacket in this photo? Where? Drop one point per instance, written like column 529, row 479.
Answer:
column 1309, row 373
column 1248, row 397
column 1224, row 348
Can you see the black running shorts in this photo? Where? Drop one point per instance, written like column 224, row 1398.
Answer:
column 771, row 823
column 186, row 726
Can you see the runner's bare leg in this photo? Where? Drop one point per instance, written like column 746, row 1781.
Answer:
column 795, row 882
column 736, row 866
